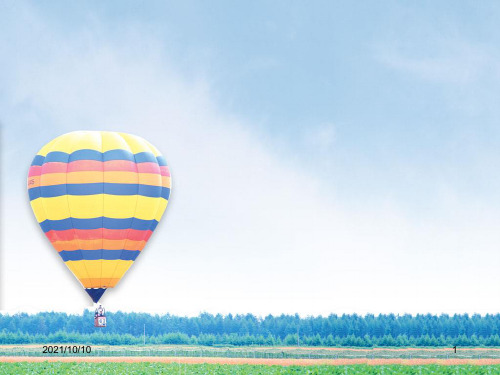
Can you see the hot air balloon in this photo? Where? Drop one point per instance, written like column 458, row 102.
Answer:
column 98, row 196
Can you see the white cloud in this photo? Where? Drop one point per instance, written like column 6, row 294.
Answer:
column 447, row 61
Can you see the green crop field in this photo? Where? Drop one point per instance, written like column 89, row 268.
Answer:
column 207, row 369
column 36, row 350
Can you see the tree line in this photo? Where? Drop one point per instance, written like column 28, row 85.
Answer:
column 207, row 329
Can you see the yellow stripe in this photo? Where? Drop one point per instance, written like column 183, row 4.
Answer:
column 161, row 209
column 102, row 270
column 154, row 150
column 48, row 147
column 94, row 269
column 90, row 206
column 70, row 142
column 113, row 141
column 38, row 210
column 122, row 206
column 78, row 269
column 101, row 141
column 120, row 268
column 135, row 144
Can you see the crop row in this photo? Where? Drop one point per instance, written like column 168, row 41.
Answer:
column 152, row 351
column 72, row 368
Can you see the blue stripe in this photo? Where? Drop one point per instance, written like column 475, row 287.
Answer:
column 52, row 191
column 34, row 193
column 150, row 191
column 145, row 157
column 63, row 157
column 92, row 155
column 38, row 160
column 98, row 188
column 98, row 222
column 161, row 161
column 99, row 254
column 165, row 192
column 117, row 155
column 56, row 156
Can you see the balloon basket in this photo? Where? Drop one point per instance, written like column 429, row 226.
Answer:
column 100, row 317
column 100, row 321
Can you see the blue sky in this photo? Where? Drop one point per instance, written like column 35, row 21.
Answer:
column 355, row 143
column 410, row 86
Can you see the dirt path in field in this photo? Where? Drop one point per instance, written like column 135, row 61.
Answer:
column 261, row 361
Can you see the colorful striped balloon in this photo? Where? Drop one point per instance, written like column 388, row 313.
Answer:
column 98, row 196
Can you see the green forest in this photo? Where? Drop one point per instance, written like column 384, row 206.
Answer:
column 241, row 330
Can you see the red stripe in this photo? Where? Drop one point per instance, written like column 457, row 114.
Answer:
column 54, row 168
column 35, row 170
column 165, row 171
column 148, row 168
column 93, row 165
column 96, row 234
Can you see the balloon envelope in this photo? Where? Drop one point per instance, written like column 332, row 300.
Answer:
column 98, row 196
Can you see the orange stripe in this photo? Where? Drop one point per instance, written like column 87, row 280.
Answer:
column 97, row 282
column 88, row 177
column 98, row 244
column 165, row 181
column 53, row 179
column 33, row 181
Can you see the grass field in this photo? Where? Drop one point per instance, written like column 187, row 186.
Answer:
column 317, row 353
column 206, row 369
column 186, row 360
